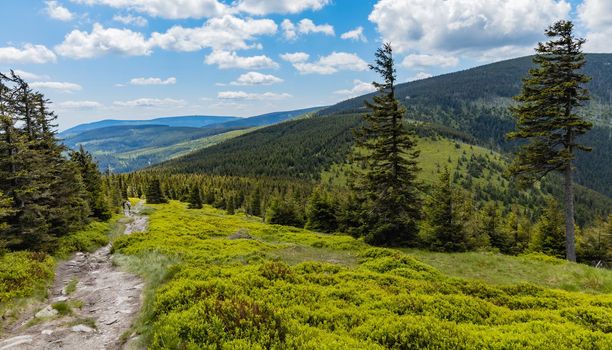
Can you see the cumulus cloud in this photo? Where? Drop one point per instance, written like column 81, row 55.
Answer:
column 57, row 11
column 150, row 102
column 596, row 16
column 138, row 21
column 28, row 53
column 332, row 63
column 264, row 7
column 241, row 95
column 227, row 33
column 56, row 85
column 153, row 81
column 79, row 105
column 355, row 34
column 226, row 60
column 305, row 26
column 295, row 57
column 359, row 88
column 420, row 76
column 469, row 26
column 414, row 60
column 256, row 78
column 209, row 8
column 100, row 41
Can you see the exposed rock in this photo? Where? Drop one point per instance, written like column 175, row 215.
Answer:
column 46, row 312
column 81, row 328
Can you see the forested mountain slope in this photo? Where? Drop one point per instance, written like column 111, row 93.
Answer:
column 475, row 101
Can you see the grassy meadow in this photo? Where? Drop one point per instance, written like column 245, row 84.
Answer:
column 217, row 281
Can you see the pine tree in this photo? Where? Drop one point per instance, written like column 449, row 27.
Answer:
column 195, row 199
column 546, row 116
column 441, row 229
column 386, row 187
column 154, row 193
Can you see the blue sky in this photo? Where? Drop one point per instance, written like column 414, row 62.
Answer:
column 134, row 59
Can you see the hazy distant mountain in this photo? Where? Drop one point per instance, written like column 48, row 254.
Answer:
column 195, row 121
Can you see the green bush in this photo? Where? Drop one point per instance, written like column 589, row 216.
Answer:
column 22, row 274
column 85, row 240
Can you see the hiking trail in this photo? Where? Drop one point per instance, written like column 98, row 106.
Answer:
column 104, row 303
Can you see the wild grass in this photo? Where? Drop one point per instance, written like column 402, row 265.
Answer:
column 290, row 288
column 502, row 269
column 71, row 286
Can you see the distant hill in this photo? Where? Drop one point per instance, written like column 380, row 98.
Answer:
column 130, row 145
column 195, row 121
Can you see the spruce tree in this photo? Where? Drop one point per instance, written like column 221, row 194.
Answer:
column 321, row 212
column 98, row 201
column 442, row 231
column 386, row 186
column 548, row 235
column 195, row 198
column 154, row 193
column 547, row 116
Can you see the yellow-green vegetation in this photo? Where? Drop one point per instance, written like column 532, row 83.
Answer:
column 23, row 274
column 233, row 282
column 437, row 153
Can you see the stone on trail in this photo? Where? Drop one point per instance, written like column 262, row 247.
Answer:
column 81, row 328
column 13, row 342
column 46, row 312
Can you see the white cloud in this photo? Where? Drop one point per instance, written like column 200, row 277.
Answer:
column 255, row 78
column 166, row 8
column 305, row 26
column 295, row 57
column 226, row 60
column 100, row 41
column 226, row 33
column 414, row 60
column 359, row 88
column 181, row 9
column 465, row 25
column 27, row 54
column 57, row 11
column 596, row 16
column 150, row 102
column 55, row 85
column 241, row 95
column 138, row 21
column 420, row 76
column 332, row 63
column 264, row 7
column 153, row 81
column 289, row 29
column 355, row 34
column 79, row 105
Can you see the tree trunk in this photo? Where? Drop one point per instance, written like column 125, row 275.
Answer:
column 569, row 214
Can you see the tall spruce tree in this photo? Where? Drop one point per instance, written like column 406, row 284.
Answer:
column 547, row 116
column 386, row 186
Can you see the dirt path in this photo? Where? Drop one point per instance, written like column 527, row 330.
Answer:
column 103, row 302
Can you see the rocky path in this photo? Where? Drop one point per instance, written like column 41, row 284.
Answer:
column 90, row 306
